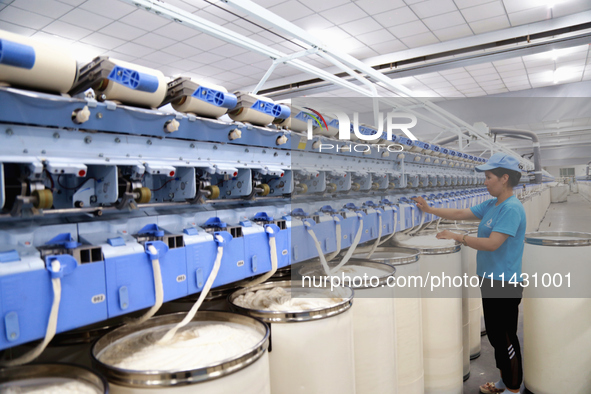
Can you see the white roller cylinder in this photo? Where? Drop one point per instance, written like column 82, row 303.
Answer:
column 216, row 353
column 374, row 331
column 42, row 66
column 190, row 104
column 118, row 92
column 312, row 347
column 442, row 317
column 557, row 331
column 409, row 330
column 471, row 301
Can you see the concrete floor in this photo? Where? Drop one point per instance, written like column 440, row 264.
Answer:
column 573, row 215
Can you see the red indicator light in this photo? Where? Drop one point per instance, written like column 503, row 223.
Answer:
column 171, row 173
column 81, row 172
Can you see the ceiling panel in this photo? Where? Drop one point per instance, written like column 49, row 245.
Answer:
column 363, row 28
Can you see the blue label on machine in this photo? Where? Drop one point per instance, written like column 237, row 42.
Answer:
column 134, row 79
column 275, row 110
column 215, row 97
column 16, row 55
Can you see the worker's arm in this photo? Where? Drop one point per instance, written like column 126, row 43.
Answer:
column 445, row 213
column 489, row 244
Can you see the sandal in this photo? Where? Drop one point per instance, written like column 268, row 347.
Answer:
column 490, row 388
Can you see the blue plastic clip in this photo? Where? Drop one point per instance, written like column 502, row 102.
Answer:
column 64, row 239
column 404, row 200
column 245, row 223
column 134, row 79
column 262, row 217
column 351, row 205
column 160, row 246
column 226, row 237
column 273, row 227
column 190, row 231
column 67, row 265
column 303, row 116
column 151, row 229
column 9, row 256
column 215, row 222
column 117, row 241
column 385, row 201
column 16, row 54
column 298, row 212
column 215, row 97
column 327, row 209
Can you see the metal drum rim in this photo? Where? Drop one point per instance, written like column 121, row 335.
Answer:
column 413, row 257
column 54, row 370
column 159, row 379
column 358, row 262
column 289, row 317
column 536, row 238
column 434, row 250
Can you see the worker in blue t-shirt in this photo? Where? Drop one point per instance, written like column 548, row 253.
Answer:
column 501, row 233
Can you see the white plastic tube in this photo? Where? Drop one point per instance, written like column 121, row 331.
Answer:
column 158, row 288
column 420, row 224
column 352, row 248
column 318, row 247
column 193, row 311
column 339, row 236
column 377, row 243
column 393, row 231
column 51, row 324
column 273, row 249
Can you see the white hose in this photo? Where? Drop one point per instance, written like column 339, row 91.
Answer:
column 51, row 324
column 377, row 243
column 352, row 247
column 273, row 248
column 393, row 231
column 338, row 231
column 318, row 247
column 157, row 288
column 193, row 311
column 420, row 224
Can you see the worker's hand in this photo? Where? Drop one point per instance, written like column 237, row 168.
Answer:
column 422, row 204
column 446, row 234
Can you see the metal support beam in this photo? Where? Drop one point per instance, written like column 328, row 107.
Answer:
column 187, row 19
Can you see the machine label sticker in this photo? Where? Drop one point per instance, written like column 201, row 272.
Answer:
column 181, row 278
column 240, row 263
column 98, row 298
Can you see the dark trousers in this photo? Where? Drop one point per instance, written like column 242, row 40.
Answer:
column 500, row 316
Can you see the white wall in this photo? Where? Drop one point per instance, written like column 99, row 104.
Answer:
column 555, row 170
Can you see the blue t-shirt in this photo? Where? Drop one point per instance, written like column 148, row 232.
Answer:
column 507, row 218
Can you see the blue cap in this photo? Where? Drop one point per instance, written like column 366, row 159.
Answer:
column 500, row 160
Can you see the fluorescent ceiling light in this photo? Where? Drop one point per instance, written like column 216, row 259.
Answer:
column 564, row 73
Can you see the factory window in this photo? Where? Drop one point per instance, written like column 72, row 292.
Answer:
column 567, row 172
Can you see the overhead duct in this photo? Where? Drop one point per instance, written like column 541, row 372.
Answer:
column 512, row 133
column 536, row 142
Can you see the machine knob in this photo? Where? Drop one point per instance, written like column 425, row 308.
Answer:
column 171, row 126
column 235, row 134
